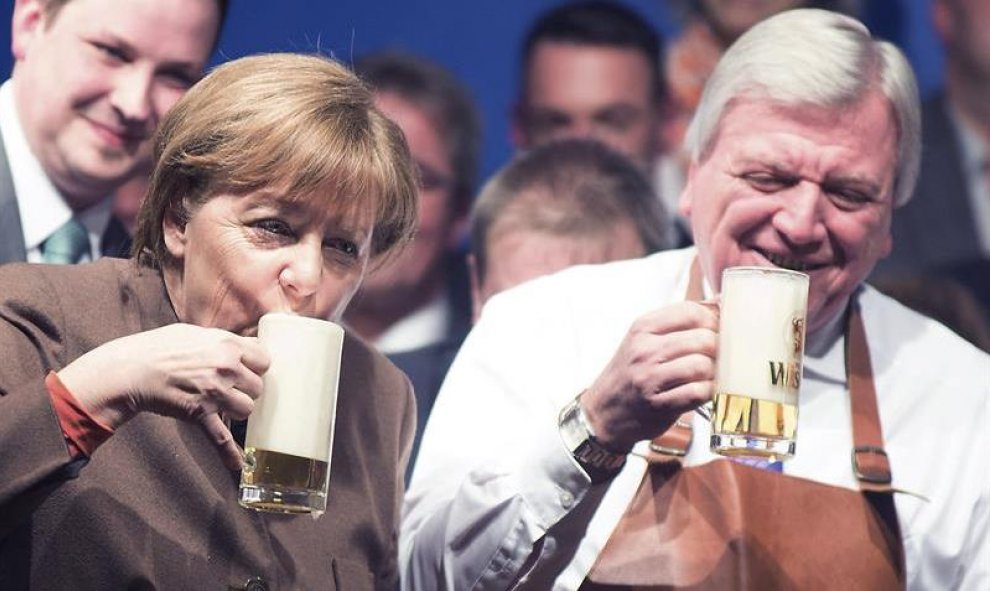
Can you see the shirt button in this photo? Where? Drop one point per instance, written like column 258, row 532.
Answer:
column 566, row 499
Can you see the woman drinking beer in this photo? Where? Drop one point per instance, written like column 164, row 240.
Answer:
column 276, row 184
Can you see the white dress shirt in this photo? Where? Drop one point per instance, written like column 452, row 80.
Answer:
column 424, row 327
column 42, row 208
column 496, row 501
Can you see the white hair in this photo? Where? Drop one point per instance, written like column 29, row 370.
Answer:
column 818, row 58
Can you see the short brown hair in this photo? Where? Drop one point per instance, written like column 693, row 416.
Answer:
column 570, row 187
column 295, row 122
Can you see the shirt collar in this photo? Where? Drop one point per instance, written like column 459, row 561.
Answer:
column 425, row 326
column 824, row 352
column 42, row 208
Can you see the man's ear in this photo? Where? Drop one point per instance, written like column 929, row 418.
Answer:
column 887, row 244
column 476, row 301
column 943, row 20
column 28, row 22
column 687, row 193
column 517, row 129
column 669, row 128
column 174, row 232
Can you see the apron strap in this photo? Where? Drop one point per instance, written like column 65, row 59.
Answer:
column 676, row 441
column 704, row 527
column 695, row 287
column 869, row 460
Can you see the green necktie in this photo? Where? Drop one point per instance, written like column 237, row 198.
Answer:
column 66, row 245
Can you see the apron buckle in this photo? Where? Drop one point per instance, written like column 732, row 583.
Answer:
column 870, row 464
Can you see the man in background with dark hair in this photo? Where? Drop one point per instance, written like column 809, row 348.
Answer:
column 91, row 79
column 416, row 307
column 592, row 69
column 942, row 236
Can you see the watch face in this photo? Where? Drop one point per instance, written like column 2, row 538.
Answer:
column 582, row 445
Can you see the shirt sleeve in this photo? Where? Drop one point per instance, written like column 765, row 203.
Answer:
column 493, row 476
column 83, row 432
column 974, row 551
column 977, row 550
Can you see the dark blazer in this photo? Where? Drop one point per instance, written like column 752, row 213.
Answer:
column 427, row 366
column 116, row 242
column 155, row 508
column 936, row 227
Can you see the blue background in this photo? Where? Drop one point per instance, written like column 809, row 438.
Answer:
column 477, row 40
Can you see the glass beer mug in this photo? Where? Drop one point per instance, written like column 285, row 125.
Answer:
column 758, row 370
column 290, row 432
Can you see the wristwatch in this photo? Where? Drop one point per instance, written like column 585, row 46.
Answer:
column 598, row 462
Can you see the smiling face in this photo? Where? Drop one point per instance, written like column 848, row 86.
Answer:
column 801, row 188
column 92, row 82
column 239, row 257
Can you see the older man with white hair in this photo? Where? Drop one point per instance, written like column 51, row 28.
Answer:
column 537, row 470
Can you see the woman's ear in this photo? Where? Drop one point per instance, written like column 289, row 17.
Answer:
column 174, row 232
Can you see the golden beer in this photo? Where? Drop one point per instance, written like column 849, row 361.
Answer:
column 274, row 481
column 742, row 415
column 759, row 365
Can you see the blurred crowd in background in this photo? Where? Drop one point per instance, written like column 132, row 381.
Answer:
column 627, row 75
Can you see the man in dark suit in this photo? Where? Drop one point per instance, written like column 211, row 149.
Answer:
column 947, row 222
column 416, row 307
column 91, row 79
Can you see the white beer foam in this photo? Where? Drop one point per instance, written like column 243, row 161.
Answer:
column 759, row 308
column 295, row 415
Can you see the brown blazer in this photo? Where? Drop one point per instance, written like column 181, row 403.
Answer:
column 154, row 508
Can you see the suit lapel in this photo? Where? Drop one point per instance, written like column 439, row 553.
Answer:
column 116, row 242
column 11, row 235
column 945, row 178
column 936, row 226
column 943, row 216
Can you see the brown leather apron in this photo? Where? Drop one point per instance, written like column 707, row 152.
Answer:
column 725, row 525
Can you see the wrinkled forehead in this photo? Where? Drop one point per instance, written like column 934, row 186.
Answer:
column 854, row 143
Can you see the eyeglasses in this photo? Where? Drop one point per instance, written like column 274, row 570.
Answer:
column 431, row 179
